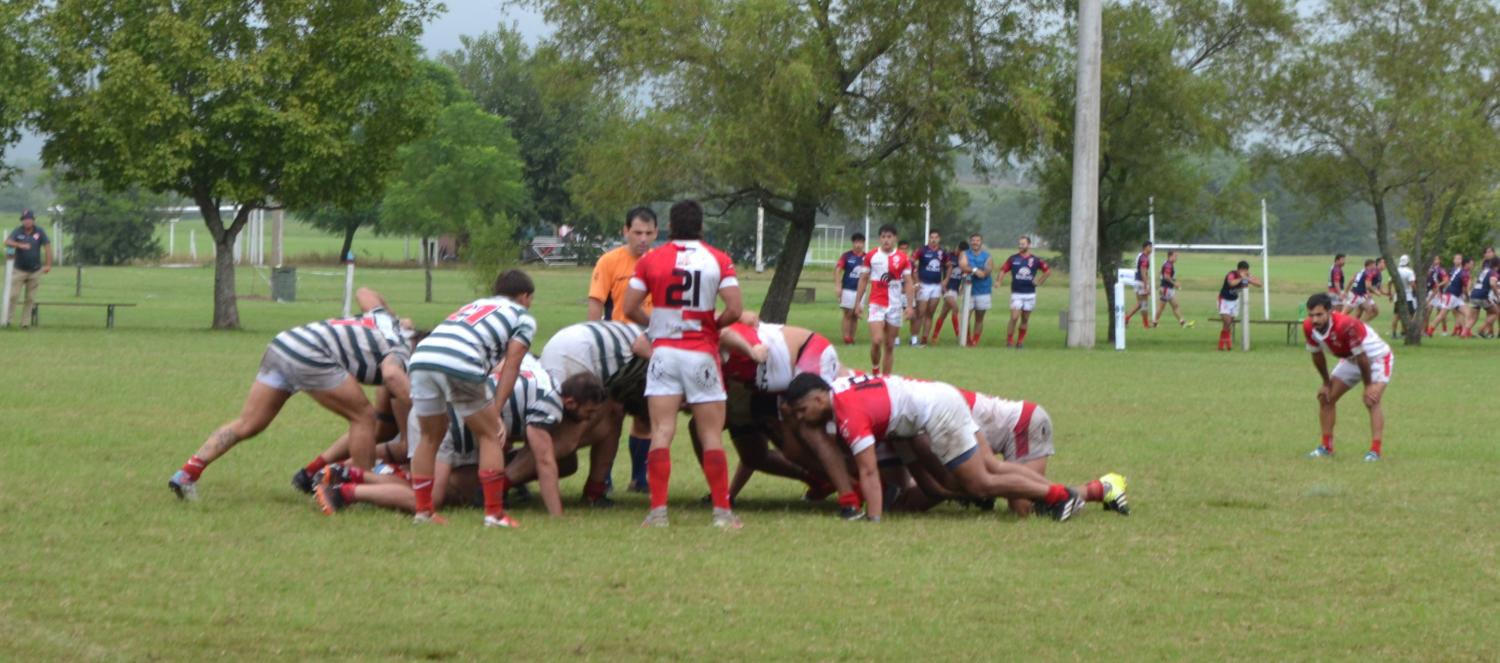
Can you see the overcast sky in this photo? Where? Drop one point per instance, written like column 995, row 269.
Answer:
column 464, row 17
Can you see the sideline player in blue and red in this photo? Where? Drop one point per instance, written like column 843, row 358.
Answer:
column 1481, row 297
column 1336, row 286
column 1452, row 299
column 1437, row 279
column 1168, row 286
column 931, row 262
column 1358, row 293
column 950, row 306
column 1229, row 301
column 1142, row 285
column 1023, row 268
column 1363, row 358
column 847, row 270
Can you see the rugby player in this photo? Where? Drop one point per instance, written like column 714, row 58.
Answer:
column 615, row 353
column 888, row 278
column 450, row 367
column 979, row 267
column 1142, row 285
column 1363, row 358
column 1437, row 280
column 685, row 278
column 1367, row 307
column 1168, row 286
column 329, row 360
column 1409, row 280
column 1023, row 268
column 847, row 272
column 931, row 262
column 1358, row 292
column 1482, row 298
column 606, row 293
column 1454, row 292
column 1336, row 286
column 867, row 409
column 950, row 306
column 1229, row 301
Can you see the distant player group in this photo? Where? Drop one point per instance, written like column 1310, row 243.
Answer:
column 466, row 414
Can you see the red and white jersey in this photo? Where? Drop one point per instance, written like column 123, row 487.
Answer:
column 867, row 408
column 887, row 276
column 1344, row 338
column 683, row 278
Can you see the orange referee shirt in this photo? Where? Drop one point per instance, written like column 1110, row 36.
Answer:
column 611, row 277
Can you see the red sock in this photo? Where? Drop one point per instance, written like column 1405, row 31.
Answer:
column 593, row 490
column 716, row 470
column 493, row 482
column 937, row 330
column 658, row 473
column 1010, row 338
column 1375, row 446
column 1328, row 442
column 355, row 474
column 954, row 316
column 317, row 464
column 347, row 491
column 1093, row 491
column 1022, row 337
column 974, row 340
column 849, row 500
column 1145, row 321
column 398, row 472
column 1056, row 493
column 194, row 467
column 422, row 486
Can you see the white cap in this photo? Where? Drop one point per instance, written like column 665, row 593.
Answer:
column 1404, row 261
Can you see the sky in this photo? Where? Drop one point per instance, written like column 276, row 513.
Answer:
column 463, row 17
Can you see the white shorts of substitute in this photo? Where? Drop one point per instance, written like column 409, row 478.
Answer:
column 980, row 302
column 693, row 375
column 1022, row 301
column 929, row 292
column 1229, row 307
column 847, row 300
column 1347, row 371
column 890, row 315
column 1142, row 289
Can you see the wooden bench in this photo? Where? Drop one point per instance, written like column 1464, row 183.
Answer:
column 1291, row 326
column 109, row 310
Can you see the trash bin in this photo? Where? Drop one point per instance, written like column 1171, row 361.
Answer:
column 284, row 284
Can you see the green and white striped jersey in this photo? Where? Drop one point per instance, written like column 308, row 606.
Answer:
column 358, row 345
column 473, row 340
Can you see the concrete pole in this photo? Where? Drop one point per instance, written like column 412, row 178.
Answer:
column 1265, row 261
column 1151, row 221
column 760, row 238
column 1083, row 256
column 277, row 235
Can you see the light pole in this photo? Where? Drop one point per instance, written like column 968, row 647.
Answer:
column 1083, row 254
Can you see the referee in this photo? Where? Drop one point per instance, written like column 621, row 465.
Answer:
column 606, row 292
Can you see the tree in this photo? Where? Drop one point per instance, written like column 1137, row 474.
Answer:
column 464, row 176
column 21, row 74
column 1171, row 74
column 256, row 105
column 801, row 107
column 1393, row 100
column 346, row 222
column 106, row 227
column 552, row 113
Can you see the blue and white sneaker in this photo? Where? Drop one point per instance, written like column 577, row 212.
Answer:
column 185, row 488
column 1321, row 452
column 1371, row 457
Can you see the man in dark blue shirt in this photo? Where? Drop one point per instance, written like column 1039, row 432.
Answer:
column 33, row 255
column 848, row 270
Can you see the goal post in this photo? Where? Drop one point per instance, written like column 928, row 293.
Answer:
column 1263, row 249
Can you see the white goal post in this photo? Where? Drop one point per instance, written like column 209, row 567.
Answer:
column 1263, row 248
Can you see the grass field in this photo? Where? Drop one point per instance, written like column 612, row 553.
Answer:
column 1238, row 547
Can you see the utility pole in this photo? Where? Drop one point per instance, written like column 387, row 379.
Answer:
column 1083, row 255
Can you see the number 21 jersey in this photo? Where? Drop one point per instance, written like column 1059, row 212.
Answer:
column 683, row 278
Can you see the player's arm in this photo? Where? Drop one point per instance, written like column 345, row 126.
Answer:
column 869, row 482
column 909, row 286
column 838, row 275
column 859, row 293
column 15, row 244
column 734, row 305
column 732, row 341
column 963, row 263
column 539, row 440
column 598, row 292
column 1046, row 272
column 369, row 300
column 506, row 377
column 393, row 378
column 46, row 255
column 641, row 347
column 829, row 455
column 635, row 299
column 1004, row 269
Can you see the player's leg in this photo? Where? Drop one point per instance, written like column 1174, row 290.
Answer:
column 1015, row 319
column 489, row 436
column 1226, row 338
column 261, row 406
column 1177, row 312
column 1134, row 308
column 708, row 420
column 891, row 333
column 877, row 338
column 1377, row 419
column 348, row 401
column 1328, row 415
column 1025, row 321
column 1024, row 508
column 977, row 479
column 978, row 330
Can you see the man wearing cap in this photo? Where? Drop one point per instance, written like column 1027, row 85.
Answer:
column 32, row 261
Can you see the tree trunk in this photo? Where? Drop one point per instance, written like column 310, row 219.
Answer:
column 348, row 241
column 1109, row 270
column 226, row 309
column 1397, row 285
column 799, row 232
column 427, row 265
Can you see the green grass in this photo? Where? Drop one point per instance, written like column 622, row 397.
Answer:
column 1238, row 547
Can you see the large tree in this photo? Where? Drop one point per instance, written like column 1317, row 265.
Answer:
column 800, row 106
column 465, row 177
column 21, row 73
column 1392, row 101
column 225, row 102
column 1173, row 91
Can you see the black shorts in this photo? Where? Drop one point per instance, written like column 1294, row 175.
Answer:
column 628, row 387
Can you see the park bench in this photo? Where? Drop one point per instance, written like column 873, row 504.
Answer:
column 1291, row 326
column 109, row 308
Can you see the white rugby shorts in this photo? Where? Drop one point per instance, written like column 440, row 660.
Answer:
column 1168, row 294
column 1229, row 307
column 890, row 315
column 695, row 376
column 1347, row 371
column 1020, row 301
column 846, row 299
column 981, row 302
column 432, row 391
column 929, row 291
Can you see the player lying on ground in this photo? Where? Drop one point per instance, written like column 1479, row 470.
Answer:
column 685, row 278
column 451, row 367
column 329, row 360
column 616, row 353
column 1022, row 268
column 1363, row 358
column 888, row 279
column 1142, row 285
column 867, row 409
column 1229, row 301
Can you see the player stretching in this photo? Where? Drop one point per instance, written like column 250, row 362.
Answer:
column 979, row 267
column 1168, row 287
column 1358, row 295
column 1452, row 299
column 685, row 278
column 1229, row 301
column 1023, row 268
column 1142, row 285
column 847, row 270
column 950, row 306
column 1363, row 357
column 450, row 367
column 931, row 262
column 1336, row 283
column 1437, row 280
column 329, row 360
column 1365, row 288
column 888, row 276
